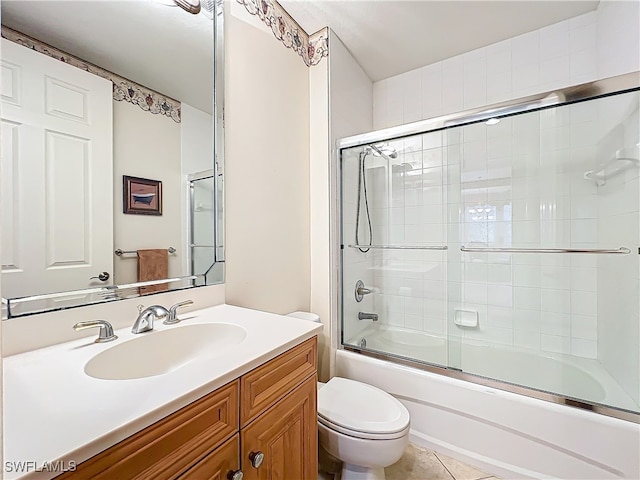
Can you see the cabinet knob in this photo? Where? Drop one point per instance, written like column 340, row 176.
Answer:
column 237, row 475
column 256, row 459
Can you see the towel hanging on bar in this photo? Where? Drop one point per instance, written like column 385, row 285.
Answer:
column 153, row 265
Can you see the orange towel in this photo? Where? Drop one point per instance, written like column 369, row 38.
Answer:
column 153, row 265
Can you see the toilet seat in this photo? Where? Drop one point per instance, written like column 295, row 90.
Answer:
column 360, row 410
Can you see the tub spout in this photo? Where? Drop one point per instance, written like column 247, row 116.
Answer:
column 368, row 316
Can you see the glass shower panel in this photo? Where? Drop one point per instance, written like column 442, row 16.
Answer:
column 504, row 249
column 393, row 197
column 527, row 312
column 202, row 233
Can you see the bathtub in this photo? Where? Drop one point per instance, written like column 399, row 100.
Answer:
column 504, row 433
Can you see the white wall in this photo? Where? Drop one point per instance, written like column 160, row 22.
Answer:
column 267, row 170
column 351, row 108
column 197, row 140
column 320, row 207
column 146, row 146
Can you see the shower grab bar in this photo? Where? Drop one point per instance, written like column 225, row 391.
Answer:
column 402, row 247
column 620, row 251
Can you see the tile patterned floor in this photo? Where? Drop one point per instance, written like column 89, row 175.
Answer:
column 421, row 464
column 418, row 463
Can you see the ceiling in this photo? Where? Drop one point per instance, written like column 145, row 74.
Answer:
column 161, row 47
column 391, row 37
column 170, row 51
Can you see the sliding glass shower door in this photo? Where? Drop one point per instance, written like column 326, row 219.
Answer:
column 505, row 248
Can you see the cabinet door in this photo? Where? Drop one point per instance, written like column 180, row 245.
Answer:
column 287, row 436
column 219, row 464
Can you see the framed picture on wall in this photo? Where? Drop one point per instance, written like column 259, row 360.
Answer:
column 141, row 196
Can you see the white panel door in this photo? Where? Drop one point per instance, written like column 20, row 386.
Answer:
column 57, row 192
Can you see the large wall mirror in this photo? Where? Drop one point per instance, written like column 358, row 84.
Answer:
column 112, row 150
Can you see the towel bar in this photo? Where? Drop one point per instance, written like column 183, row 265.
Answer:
column 120, row 252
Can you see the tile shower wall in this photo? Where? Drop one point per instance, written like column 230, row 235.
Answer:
column 527, row 171
column 556, row 56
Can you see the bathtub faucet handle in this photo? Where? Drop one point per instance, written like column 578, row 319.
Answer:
column 361, row 290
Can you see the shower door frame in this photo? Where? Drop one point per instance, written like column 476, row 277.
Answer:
column 192, row 178
column 578, row 93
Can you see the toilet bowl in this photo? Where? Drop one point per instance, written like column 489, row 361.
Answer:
column 362, row 426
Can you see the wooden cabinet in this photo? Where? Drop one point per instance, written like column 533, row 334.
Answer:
column 286, row 435
column 218, row 464
column 270, row 410
column 169, row 447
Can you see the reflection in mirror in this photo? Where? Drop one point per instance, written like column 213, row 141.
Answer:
column 93, row 92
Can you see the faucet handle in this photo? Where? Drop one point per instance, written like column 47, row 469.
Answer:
column 106, row 330
column 173, row 318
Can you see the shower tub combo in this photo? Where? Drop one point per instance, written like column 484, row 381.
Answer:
column 489, row 280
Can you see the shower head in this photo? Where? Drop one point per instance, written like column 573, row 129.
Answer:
column 383, row 151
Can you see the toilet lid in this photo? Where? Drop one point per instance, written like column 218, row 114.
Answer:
column 360, row 407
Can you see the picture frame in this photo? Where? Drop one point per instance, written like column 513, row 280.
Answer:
column 141, row 196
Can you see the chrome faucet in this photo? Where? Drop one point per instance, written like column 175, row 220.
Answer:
column 145, row 319
column 173, row 318
column 106, row 330
column 368, row 316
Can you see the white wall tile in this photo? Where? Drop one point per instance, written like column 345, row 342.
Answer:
column 584, row 279
column 432, row 90
column 475, row 79
column 583, row 66
column 584, row 348
column 555, row 344
column 452, row 88
column 557, row 301
column 525, row 49
column 618, row 38
column 498, row 85
column 394, row 101
column 555, row 72
column 584, row 327
column 583, row 303
column 583, row 37
column 500, row 316
column 527, row 298
column 526, row 340
column 380, row 105
column 474, row 293
column 554, row 41
column 552, row 323
column 498, row 56
column 412, row 96
column 589, row 18
column 500, row 295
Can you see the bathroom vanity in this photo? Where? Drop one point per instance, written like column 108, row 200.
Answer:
column 251, row 409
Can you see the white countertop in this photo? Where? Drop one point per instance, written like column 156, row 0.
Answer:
column 54, row 411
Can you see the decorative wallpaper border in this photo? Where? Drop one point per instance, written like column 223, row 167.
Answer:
column 123, row 89
column 312, row 48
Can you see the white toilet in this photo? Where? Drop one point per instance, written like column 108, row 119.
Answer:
column 359, row 424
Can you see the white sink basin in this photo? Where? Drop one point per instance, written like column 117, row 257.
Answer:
column 162, row 351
